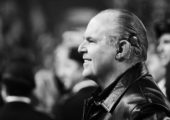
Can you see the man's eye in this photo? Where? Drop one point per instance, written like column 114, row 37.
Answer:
column 90, row 40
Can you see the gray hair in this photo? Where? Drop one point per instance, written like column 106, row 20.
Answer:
column 132, row 29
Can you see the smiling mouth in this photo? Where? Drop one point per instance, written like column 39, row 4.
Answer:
column 86, row 60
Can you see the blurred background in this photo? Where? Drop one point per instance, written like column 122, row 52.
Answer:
column 46, row 33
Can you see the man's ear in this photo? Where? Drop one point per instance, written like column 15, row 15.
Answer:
column 124, row 50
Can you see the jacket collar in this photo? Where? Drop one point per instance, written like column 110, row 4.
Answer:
column 112, row 94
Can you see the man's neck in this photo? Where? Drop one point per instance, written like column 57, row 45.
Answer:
column 105, row 81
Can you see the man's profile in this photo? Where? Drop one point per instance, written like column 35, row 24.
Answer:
column 114, row 52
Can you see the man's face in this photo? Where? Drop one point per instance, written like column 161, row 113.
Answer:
column 164, row 48
column 98, row 53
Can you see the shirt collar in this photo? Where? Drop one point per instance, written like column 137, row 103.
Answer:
column 17, row 99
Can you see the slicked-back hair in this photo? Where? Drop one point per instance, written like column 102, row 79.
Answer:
column 130, row 27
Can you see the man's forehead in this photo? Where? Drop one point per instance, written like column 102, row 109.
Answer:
column 103, row 21
column 94, row 27
column 108, row 16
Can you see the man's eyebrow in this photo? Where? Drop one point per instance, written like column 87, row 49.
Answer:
column 87, row 38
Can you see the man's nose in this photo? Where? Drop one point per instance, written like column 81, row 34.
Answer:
column 82, row 47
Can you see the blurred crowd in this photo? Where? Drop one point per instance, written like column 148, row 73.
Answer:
column 42, row 67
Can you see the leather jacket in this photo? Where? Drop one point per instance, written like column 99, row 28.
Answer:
column 133, row 96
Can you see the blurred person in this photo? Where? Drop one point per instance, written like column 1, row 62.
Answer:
column 114, row 52
column 155, row 67
column 45, row 91
column 17, row 86
column 68, row 66
column 12, row 26
column 162, row 30
column 76, row 88
column 43, row 37
column 14, row 29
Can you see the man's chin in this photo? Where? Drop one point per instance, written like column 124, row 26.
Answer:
column 89, row 76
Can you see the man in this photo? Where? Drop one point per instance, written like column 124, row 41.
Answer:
column 17, row 86
column 162, row 30
column 114, row 50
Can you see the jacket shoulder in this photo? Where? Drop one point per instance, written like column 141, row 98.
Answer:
column 146, row 99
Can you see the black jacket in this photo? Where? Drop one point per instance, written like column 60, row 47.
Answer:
column 72, row 108
column 21, row 111
column 133, row 96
